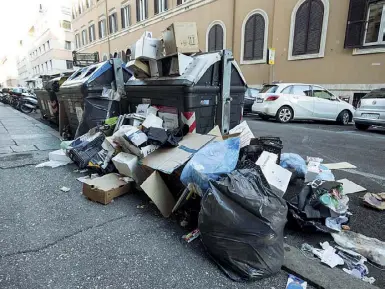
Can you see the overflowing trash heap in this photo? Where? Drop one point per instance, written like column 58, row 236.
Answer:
column 226, row 187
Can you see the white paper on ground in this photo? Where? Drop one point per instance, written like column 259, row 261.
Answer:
column 275, row 175
column 350, row 187
column 329, row 256
column 53, row 164
column 58, row 155
column 338, row 166
column 246, row 133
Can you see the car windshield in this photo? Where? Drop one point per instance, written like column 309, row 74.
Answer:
column 375, row 94
column 269, row 89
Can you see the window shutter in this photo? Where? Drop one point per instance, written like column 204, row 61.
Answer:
column 254, row 38
column 145, row 9
column 100, row 29
column 212, row 36
column 178, row 2
column 165, row 4
column 89, row 34
column 249, row 38
column 301, row 29
column 137, row 11
column 115, row 19
column 315, row 27
column 356, row 23
column 156, row 8
column 259, row 37
column 218, row 37
column 122, row 18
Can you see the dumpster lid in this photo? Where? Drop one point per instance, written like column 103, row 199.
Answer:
column 90, row 73
column 194, row 72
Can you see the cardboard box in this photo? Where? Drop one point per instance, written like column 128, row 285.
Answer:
column 156, row 189
column 181, row 37
column 139, row 68
column 147, row 47
column 127, row 165
column 169, row 159
column 104, row 189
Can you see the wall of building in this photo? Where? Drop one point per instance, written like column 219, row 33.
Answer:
column 338, row 66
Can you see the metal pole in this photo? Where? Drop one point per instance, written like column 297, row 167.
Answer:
column 227, row 58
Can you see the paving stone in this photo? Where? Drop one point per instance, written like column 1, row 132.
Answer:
column 43, row 137
column 5, row 150
column 24, row 148
column 6, row 141
column 50, row 146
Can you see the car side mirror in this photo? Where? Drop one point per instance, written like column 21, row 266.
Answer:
column 334, row 98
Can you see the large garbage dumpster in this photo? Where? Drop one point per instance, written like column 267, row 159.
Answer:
column 47, row 99
column 194, row 97
column 88, row 89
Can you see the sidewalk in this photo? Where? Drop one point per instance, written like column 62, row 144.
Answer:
column 21, row 133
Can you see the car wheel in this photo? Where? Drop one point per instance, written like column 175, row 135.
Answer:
column 344, row 117
column 362, row 126
column 264, row 117
column 284, row 114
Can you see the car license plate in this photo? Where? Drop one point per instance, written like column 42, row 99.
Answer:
column 370, row 115
column 259, row 100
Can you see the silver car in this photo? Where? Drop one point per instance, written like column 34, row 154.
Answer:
column 371, row 110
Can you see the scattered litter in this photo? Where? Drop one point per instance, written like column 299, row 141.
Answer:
column 184, row 223
column 329, row 256
column 52, row 164
column 350, row 187
column 83, row 171
column 65, row 189
column 76, row 171
column 140, row 206
column 158, row 192
column 210, row 162
column 369, row 280
column 345, row 227
column 244, row 130
column 339, row 166
column 191, row 236
column 294, row 282
column 317, row 201
column 104, row 189
column 335, row 223
column 376, row 201
column 275, row 175
column 371, row 248
column 314, row 159
column 295, row 163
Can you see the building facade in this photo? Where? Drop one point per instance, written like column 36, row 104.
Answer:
column 8, row 72
column 338, row 44
column 47, row 47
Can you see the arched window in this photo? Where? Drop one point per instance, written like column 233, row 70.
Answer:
column 308, row 29
column 124, row 58
column 216, row 36
column 254, row 37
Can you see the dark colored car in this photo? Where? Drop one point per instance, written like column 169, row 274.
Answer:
column 250, row 96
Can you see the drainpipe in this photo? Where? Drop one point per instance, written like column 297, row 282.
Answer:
column 108, row 30
column 233, row 40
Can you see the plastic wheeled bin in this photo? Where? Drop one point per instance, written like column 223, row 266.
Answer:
column 88, row 90
column 194, row 97
column 47, row 99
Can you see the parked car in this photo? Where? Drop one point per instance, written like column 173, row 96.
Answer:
column 250, row 96
column 371, row 110
column 288, row 101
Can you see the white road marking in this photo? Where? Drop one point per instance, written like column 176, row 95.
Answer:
column 368, row 175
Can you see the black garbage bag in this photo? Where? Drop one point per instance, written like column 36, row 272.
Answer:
column 306, row 212
column 241, row 223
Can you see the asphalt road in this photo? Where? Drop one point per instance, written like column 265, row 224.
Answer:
column 53, row 239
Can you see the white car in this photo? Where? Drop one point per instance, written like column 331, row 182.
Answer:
column 288, row 101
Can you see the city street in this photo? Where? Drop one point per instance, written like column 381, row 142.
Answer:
column 55, row 239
